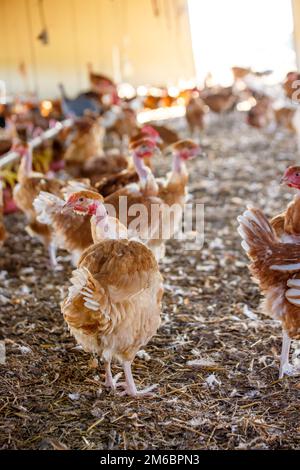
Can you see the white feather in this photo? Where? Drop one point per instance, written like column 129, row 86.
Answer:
column 293, row 282
column 45, row 204
column 245, row 246
column 78, row 280
column 286, row 267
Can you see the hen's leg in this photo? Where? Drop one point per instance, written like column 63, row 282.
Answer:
column 110, row 381
column 130, row 388
column 285, row 366
column 52, row 255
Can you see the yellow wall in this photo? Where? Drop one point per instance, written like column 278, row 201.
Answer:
column 296, row 12
column 152, row 49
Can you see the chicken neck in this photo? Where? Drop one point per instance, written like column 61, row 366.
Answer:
column 146, row 177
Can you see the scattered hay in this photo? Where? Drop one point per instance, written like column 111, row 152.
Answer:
column 52, row 393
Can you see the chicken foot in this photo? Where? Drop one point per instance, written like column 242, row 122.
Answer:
column 129, row 385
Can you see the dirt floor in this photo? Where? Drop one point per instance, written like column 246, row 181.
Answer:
column 51, row 392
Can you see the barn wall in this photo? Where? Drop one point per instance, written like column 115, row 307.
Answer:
column 296, row 12
column 126, row 39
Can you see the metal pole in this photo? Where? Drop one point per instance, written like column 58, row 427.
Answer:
column 13, row 156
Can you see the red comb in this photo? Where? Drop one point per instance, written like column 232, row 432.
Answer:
column 150, row 131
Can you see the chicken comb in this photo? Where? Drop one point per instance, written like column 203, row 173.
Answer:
column 86, row 194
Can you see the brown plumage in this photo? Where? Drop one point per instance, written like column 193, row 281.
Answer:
column 195, row 112
column 261, row 114
column 85, row 142
column 287, row 224
column 140, row 200
column 29, row 185
column 284, row 118
column 67, row 230
column 167, row 135
column 173, row 190
column 135, row 198
column 114, row 304
column 220, row 101
column 125, row 124
column 276, row 267
column 240, row 72
column 27, row 191
column 5, row 145
column 109, row 184
column 106, row 165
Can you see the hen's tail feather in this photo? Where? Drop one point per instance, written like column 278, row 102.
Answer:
column 84, row 284
column 256, row 232
column 87, row 306
column 46, row 206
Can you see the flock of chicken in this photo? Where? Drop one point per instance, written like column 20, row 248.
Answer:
column 114, row 303
column 113, row 306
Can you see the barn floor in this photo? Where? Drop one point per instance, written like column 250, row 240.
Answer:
column 51, row 392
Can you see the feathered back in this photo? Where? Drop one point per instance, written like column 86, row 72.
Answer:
column 272, row 262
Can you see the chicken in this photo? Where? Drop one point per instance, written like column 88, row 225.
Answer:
column 276, row 268
column 150, row 132
column 112, row 163
column 140, row 198
column 173, row 191
column 284, row 118
column 289, row 118
column 69, row 231
column 30, row 184
column 114, row 303
column 85, row 143
column 103, row 86
column 125, row 124
column 78, row 106
column 167, row 135
column 147, row 131
column 195, row 112
column 220, row 101
column 3, row 233
column 261, row 115
column 287, row 224
column 240, row 72
column 109, row 184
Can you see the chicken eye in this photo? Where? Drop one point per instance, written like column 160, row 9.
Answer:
column 81, row 199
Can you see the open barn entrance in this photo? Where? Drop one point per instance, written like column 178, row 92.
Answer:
column 249, row 33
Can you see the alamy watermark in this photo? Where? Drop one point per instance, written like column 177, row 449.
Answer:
column 162, row 222
column 296, row 93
